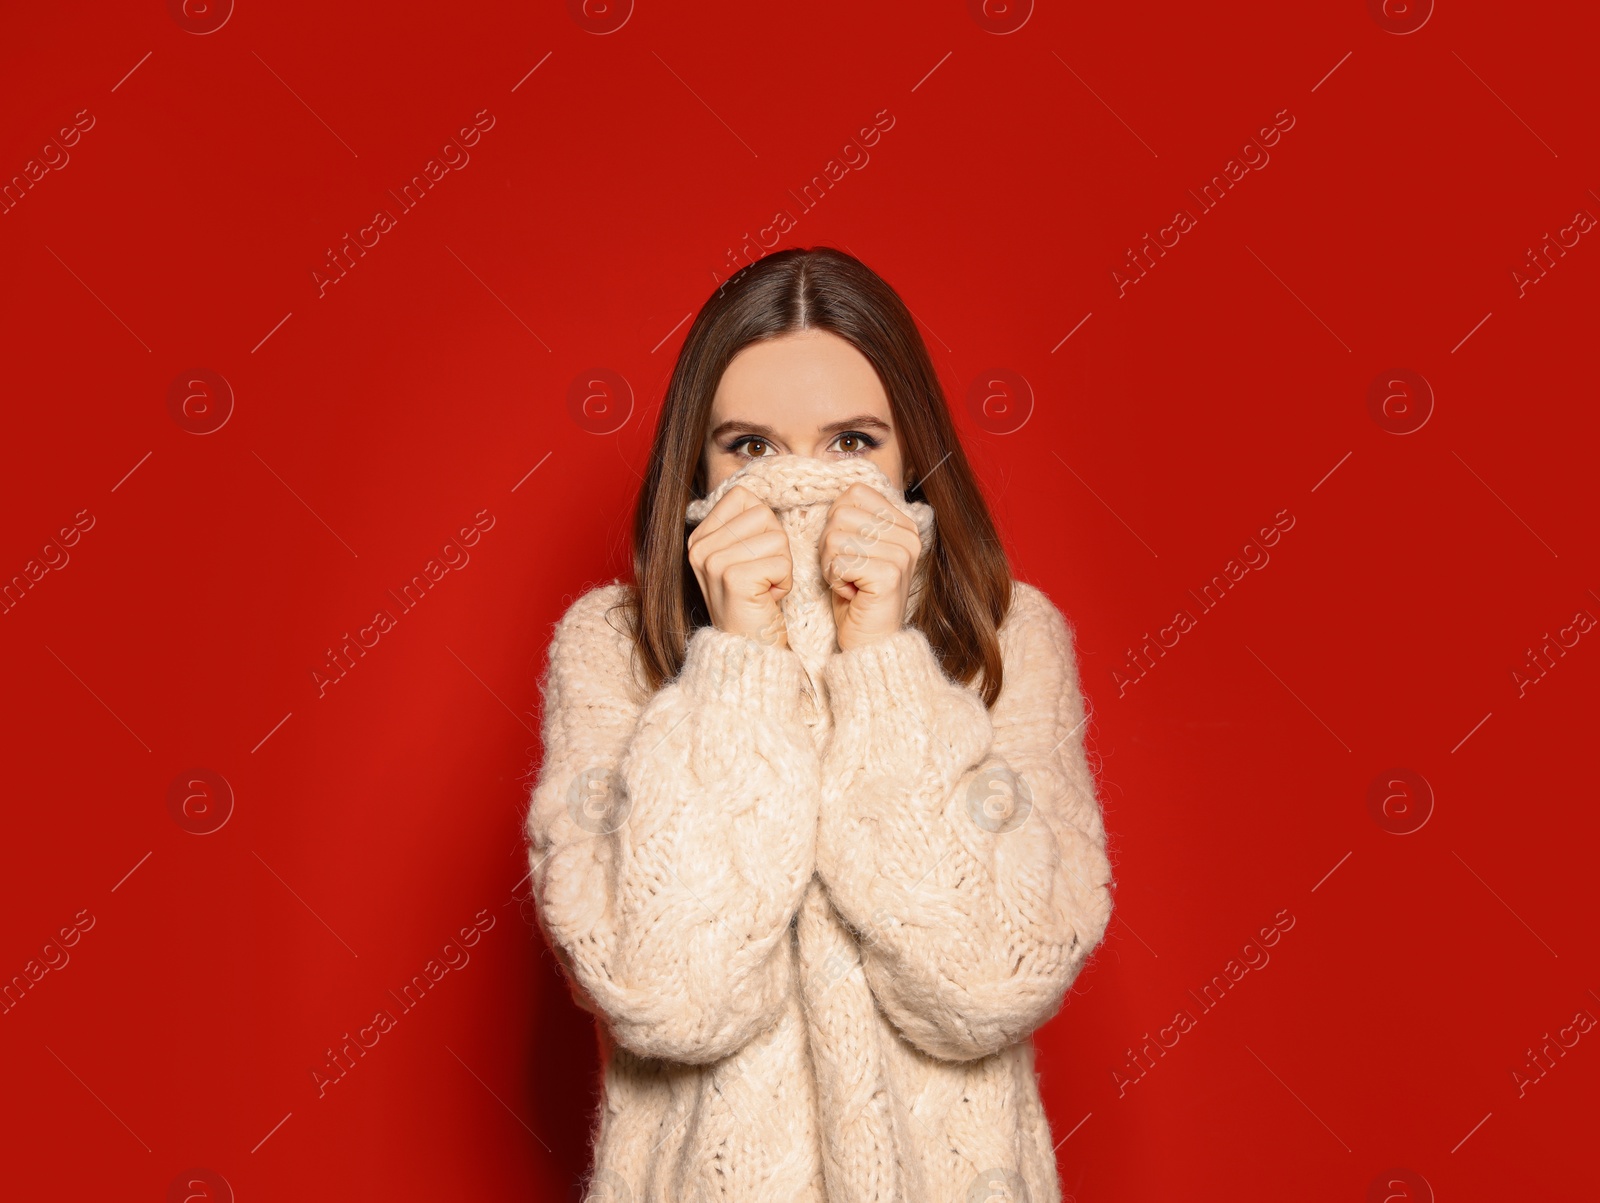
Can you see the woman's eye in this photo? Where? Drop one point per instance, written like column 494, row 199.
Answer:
column 853, row 442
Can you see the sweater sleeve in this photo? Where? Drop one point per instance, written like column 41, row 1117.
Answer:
column 965, row 846
column 671, row 839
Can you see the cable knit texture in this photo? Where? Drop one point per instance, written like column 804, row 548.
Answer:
column 818, row 900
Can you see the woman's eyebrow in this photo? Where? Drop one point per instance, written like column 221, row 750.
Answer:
column 740, row 426
column 743, row 427
column 855, row 423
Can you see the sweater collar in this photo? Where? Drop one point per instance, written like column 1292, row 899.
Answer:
column 789, row 482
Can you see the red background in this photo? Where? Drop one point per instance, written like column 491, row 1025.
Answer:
column 368, row 425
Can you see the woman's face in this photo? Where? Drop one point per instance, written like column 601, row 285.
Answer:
column 805, row 393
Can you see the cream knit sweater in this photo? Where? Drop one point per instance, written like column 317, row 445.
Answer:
column 818, row 900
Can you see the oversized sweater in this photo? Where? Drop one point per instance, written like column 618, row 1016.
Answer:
column 818, row 900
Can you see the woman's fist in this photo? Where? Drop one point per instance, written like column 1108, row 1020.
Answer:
column 869, row 552
column 740, row 556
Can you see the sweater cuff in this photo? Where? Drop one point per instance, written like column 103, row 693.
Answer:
column 885, row 683
column 723, row 666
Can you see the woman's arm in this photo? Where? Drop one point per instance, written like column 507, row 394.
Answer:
column 974, row 907
column 671, row 840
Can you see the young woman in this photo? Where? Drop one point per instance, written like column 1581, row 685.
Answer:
column 814, row 836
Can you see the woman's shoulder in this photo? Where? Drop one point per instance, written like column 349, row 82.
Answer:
column 1037, row 641
column 592, row 612
column 1032, row 613
column 593, row 637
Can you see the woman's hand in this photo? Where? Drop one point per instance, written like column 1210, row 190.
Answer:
column 869, row 551
column 740, row 555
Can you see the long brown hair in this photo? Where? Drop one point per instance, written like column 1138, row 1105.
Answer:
column 967, row 588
